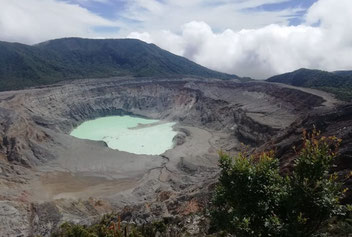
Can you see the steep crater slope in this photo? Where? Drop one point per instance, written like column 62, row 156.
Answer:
column 48, row 177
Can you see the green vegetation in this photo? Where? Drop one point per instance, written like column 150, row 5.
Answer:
column 111, row 226
column 253, row 199
column 23, row 66
column 342, row 93
column 338, row 83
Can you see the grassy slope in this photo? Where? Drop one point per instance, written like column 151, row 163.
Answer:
column 74, row 58
column 338, row 83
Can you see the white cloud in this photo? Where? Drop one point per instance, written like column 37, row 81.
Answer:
column 324, row 41
column 33, row 21
column 154, row 15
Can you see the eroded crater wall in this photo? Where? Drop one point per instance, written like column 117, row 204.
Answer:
column 36, row 149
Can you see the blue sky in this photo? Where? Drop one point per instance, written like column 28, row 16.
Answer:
column 287, row 4
column 111, row 9
column 108, row 9
column 124, row 12
column 118, row 18
column 295, row 19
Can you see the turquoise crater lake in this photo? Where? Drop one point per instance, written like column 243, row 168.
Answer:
column 126, row 133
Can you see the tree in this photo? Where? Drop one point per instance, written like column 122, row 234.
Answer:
column 253, row 199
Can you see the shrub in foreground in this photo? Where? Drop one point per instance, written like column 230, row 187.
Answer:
column 253, row 199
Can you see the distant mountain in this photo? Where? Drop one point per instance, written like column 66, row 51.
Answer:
column 76, row 58
column 338, row 83
column 347, row 74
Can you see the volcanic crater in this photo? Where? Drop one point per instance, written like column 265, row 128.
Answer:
column 48, row 176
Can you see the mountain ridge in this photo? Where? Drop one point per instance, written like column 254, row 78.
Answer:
column 56, row 60
column 338, row 83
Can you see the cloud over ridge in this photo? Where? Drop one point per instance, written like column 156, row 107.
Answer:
column 322, row 41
